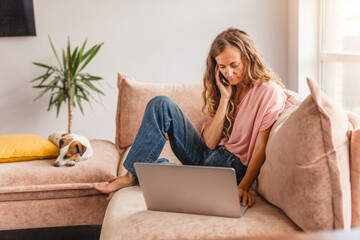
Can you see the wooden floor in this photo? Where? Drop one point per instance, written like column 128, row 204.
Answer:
column 55, row 233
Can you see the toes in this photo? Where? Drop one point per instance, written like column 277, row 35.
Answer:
column 102, row 187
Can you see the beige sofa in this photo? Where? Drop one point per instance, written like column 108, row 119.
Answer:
column 127, row 217
column 34, row 194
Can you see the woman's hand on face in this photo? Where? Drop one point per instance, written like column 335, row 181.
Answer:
column 246, row 198
column 224, row 90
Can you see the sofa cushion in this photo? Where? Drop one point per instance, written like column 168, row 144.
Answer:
column 354, row 119
column 134, row 96
column 306, row 171
column 46, row 213
column 127, row 218
column 39, row 179
column 23, row 147
column 355, row 177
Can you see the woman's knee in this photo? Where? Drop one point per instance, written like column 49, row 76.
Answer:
column 159, row 101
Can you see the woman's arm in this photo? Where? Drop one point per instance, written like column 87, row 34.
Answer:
column 212, row 132
column 255, row 163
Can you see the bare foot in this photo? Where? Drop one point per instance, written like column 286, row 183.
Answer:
column 113, row 179
column 116, row 183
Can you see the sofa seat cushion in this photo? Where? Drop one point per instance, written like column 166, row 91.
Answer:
column 127, row 218
column 39, row 179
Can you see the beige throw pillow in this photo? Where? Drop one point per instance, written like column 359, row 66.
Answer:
column 306, row 171
column 134, row 96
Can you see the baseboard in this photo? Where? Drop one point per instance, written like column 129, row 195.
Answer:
column 88, row 232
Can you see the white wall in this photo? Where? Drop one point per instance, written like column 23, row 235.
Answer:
column 152, row 40
column 303, row 44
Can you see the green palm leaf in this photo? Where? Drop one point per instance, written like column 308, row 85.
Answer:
column 41, row 65
column 54, row 80
column 53, row 48
column 92, row 86
column 92, row 54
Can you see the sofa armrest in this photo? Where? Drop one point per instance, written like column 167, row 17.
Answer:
column 355, row 177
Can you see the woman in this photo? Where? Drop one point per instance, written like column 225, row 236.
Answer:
column 236, row 132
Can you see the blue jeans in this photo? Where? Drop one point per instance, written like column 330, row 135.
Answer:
column 161, row 116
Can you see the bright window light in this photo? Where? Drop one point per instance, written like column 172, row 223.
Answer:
column 340, row 51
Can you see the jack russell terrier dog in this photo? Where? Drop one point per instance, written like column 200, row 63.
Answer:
column 72, row 148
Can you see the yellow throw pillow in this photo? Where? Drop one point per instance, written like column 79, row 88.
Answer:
column 23, row 147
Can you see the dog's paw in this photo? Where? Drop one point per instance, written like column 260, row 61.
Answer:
column 70, row 163
column 57, row 164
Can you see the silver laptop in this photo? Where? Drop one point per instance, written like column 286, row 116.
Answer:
column 190, row 189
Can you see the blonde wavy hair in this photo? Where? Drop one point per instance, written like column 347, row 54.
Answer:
column 255, row 70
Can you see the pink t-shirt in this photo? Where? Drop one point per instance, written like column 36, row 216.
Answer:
column 258, row 110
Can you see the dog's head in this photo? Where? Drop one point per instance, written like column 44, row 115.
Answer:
column 70, row 149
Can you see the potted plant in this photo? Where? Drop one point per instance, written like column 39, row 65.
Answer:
column 68, row 83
